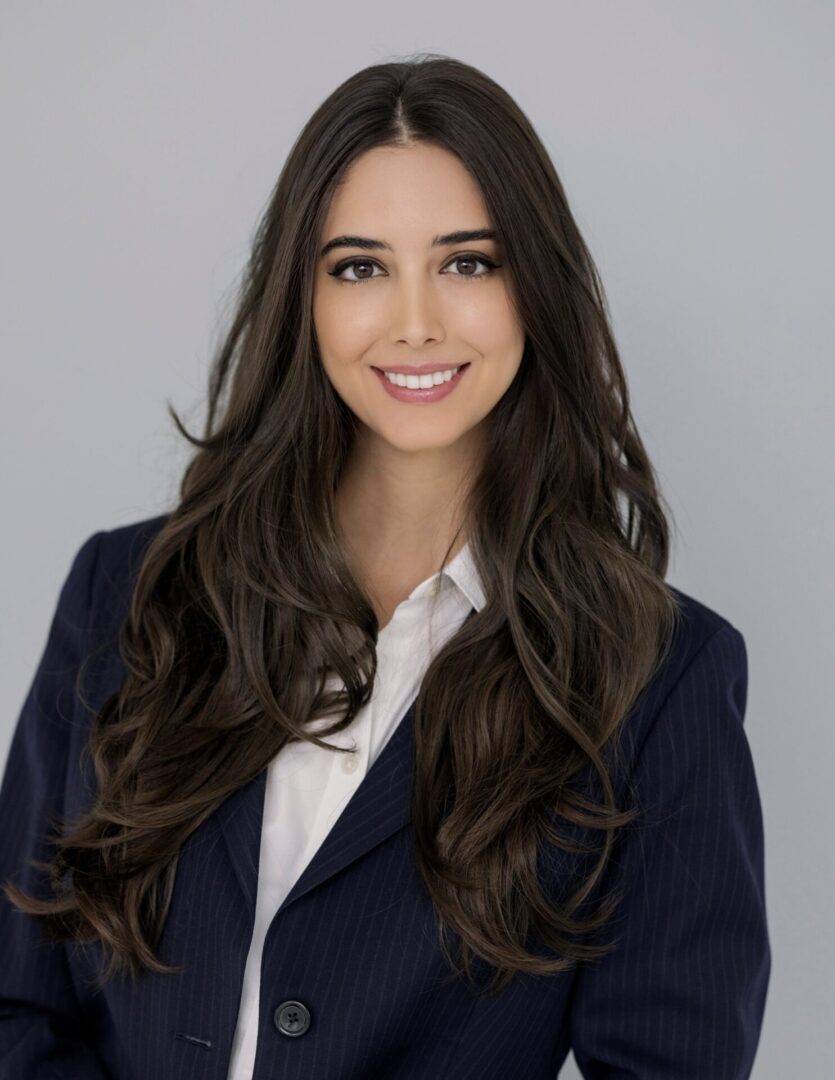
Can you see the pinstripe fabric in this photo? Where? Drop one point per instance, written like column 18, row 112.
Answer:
column 682, row 996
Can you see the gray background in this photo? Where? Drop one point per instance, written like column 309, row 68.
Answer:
column 140, row 143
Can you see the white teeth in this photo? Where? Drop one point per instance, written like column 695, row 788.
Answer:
column 421, row 382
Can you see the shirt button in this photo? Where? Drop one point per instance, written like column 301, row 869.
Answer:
column 349, row 763
column 291, row 1018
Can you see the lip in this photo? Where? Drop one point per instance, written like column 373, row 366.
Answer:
column 431, row 393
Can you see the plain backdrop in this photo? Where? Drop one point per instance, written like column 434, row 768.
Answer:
column 140, row 144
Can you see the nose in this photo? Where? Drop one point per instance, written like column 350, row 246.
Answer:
column 415, row 312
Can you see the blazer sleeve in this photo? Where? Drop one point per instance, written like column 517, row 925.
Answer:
column 683, row 993
column 42, row 1025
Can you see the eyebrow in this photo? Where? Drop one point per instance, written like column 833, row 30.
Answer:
column 460, row 236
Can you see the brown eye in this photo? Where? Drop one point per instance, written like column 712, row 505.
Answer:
column 355, row 263
column 469, row 260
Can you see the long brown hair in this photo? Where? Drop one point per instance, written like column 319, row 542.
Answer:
column 245, row 599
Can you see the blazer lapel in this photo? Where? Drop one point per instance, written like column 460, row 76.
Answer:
column 381, row 805
column 239, row 817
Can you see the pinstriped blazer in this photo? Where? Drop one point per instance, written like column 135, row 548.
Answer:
column 354, row 986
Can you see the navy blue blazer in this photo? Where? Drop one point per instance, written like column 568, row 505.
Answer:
column 354, row 986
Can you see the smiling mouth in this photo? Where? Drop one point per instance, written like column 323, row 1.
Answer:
column 418, row 394
column 393, row 376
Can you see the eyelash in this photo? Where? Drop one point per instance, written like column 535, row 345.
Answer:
column 491, row 266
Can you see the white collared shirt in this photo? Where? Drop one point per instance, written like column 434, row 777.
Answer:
column 308, row 787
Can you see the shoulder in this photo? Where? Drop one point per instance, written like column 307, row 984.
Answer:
column 95, row 597
column 98, row 583
column 698, row 693
column 118, row 554
column 701, row 632
column 121, row 548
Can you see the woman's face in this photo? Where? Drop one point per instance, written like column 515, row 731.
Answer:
column 388, row 294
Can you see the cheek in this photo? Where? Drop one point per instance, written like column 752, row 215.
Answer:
column 345, row 327
column 487, row 320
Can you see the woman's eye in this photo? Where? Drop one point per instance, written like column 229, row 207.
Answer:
column 362, row 264
column 473, row 258
column 338, row 272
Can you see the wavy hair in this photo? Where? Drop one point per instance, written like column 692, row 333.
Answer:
column 245, row 599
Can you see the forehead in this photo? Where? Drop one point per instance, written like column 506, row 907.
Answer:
column 406, row 190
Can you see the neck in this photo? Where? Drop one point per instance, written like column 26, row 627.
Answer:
column 401, row 508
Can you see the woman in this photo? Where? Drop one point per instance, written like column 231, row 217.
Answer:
column 388, row 752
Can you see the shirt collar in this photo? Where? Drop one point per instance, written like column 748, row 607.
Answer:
column 460, row 571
